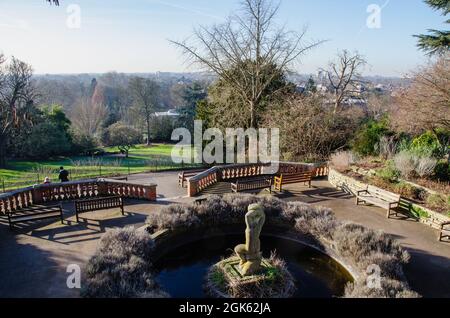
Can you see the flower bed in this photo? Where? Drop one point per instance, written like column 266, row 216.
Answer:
column 353, row 245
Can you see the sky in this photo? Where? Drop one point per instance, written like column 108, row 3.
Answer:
column 96, row 36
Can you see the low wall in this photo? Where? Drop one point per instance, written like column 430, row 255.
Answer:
column 217, row 174
column 427, row 216
column 76, row 190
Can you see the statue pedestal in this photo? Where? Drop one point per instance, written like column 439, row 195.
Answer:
column 226, row 280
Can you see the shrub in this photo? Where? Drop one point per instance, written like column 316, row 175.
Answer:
column 121, row 267
column 389, row 172
column 387, row 147
column 342, row 160
column 420, row 213
column 439, row 202
column 368, row 137
column 360, row 244
column 406, row 163
column 442, row 171
column 173, row 217
column 390, row 288
column 426, row 145
column 425, row 166
column 318, row 222
column 407, row 190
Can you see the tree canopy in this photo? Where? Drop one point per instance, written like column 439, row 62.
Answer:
column 437, row 41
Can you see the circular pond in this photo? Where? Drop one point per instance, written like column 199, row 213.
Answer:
column 182, row 270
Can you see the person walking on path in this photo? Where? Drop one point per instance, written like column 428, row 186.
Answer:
column 63, row 175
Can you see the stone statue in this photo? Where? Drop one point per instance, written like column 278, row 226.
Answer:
column 250, row 252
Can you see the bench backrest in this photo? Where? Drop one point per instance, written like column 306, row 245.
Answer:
column 98, row 204
column 383, row 194
column 307, row 175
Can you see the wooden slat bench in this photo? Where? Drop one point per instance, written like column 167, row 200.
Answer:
column 380, row 198
column 184, row 175
column 284, row 179
column 35, row 213
column 256, row 183
column 445, row 232
column 97, row 204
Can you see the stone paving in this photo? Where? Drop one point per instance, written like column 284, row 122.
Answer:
column 34, row 259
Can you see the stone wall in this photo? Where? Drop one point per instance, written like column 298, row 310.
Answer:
column 350, row 185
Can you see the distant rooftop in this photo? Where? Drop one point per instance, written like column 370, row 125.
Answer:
column 169, row 113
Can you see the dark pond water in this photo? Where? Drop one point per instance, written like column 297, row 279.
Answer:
column 182, row 270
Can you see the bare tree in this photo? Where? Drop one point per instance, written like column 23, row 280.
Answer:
column 16, row 96
column 309, row 129
column 251, row 39
column 87, row 117
column 343, row 76
column 425, row 105
column 145, row 94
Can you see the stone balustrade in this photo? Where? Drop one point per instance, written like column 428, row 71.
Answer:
column 76, row 190
column 217, row 174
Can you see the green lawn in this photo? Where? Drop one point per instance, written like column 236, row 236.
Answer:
column 20, row 173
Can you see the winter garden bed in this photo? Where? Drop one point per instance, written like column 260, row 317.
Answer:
column 122, row 265
column 402, row 176
column 353, row 181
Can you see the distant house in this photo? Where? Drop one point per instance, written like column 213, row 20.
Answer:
column 169, row 113
column 321, row 88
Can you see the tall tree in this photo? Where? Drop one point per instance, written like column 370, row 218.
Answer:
column 425, row 104
column 16, row 98
column 228, row 110
column 436, row 42
column 191, row 95
column 145, row 94
column 343, row 76
column 87, row 117
column 250, row 38
column 123, row 137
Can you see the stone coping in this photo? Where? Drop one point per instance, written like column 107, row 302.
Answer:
column 71, row 183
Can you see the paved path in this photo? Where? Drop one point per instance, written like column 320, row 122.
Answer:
column 33, row 261
column 429, row 269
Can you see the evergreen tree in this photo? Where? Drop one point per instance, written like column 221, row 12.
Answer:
column 436, row 42
column 310, row 86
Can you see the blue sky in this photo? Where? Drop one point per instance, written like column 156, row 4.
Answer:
column 132, row 35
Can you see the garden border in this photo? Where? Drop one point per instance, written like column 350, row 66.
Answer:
column 425, row 215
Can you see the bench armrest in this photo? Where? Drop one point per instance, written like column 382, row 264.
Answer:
column 361, row 191
column 444, row 224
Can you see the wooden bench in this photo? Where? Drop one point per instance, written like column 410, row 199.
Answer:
column 35, row 213
column 90, row 205
column 256, row 183
column 445, row 232
column 305, row 177
column 184, row 175
column 380, row 198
